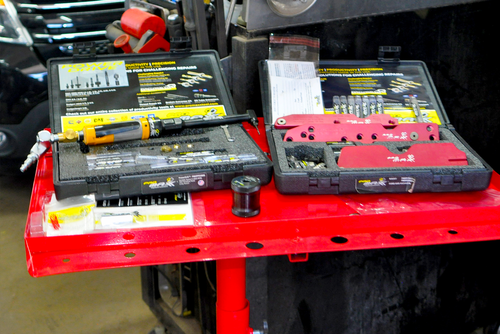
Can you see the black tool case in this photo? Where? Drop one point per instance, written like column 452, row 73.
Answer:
column 395, row 81
column 90, row 89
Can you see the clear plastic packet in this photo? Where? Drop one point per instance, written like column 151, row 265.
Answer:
column 294, row 48
column 74, row 215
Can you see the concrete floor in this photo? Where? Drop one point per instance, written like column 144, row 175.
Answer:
column 105, row 301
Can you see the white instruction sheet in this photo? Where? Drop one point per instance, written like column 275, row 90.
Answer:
column 147, row 214
column 294, row 88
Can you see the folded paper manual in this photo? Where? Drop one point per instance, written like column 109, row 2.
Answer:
column 295, row 88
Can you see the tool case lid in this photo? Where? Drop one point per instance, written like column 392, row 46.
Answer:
column 189, row 85
column 398, row 83
column 372, row 77
column 107, row 88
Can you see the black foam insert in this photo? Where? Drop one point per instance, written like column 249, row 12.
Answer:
column 73, row 163
column 328, row 153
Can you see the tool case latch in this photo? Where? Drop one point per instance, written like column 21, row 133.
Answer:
column 180, row 44
column 84, row 50
column 389, row 54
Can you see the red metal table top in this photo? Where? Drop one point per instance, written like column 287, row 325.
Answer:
column 287, row 224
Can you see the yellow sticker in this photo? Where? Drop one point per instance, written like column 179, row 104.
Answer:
column 192, row 112
column 90, row 67
column 407, row 115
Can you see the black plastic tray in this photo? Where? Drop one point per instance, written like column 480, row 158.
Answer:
column 374, row 75
column 112, row 88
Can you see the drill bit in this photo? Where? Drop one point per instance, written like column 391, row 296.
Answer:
column 416, row 109
column 253, row 120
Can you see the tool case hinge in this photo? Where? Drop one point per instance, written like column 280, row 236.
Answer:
column 324, row 182
column 447, row 179
column 180, row 44
column 389, row 54
column 450, row 127
column 83, row 50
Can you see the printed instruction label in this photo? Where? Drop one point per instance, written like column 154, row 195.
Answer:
column 385, row 185
column 294, row 88
column 115, row 91
column 176, row 182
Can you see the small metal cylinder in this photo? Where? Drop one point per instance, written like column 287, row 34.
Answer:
column 246, row 196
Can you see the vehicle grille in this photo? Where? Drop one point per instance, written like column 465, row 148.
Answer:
column 54, row 27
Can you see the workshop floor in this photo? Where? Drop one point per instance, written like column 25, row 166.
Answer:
column 105, row 301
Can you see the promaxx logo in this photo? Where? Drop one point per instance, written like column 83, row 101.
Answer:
column 90, row 67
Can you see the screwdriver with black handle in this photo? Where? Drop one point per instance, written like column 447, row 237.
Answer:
column 146, row 128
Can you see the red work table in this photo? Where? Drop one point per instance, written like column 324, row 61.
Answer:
column 294, row 225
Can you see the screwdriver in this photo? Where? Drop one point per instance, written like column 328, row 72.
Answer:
column 146, row 128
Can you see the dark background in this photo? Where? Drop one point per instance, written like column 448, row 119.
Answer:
column 435, row 289
column 447, row 289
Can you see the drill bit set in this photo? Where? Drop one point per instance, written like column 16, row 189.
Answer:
column 360, row 106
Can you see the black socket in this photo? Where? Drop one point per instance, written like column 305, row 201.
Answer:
column 246, row 196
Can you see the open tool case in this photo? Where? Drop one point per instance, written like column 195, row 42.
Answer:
column 90, row 89
column 335, row 163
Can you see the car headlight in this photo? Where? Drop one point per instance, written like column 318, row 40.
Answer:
column 11, row 29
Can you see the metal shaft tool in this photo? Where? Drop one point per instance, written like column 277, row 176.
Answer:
column 416, row 109
column 226, row 132
column 130, row 130
column 146, row 128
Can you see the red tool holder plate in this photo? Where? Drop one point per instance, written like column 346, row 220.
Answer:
column 288, row 224
column 291, row 121
column 418, row 155
column 364, row 133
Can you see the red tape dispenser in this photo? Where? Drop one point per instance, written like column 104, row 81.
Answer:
column 138, row 32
